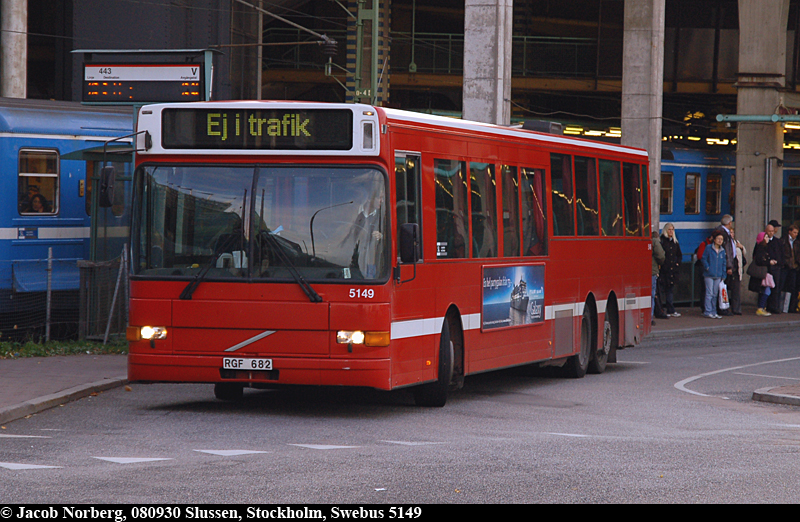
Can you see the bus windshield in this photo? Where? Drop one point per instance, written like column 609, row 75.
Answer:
column 319, row 223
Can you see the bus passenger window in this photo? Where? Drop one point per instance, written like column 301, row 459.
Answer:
column 511, row 221
column 586, row 196
column 632, row 191
column 406, row 171
column 665, row 205
column 484, row 210
column 452, row 225
column 534, row 223
column 713, row 193
column 646, row 203
column 38, row 182
column 610, row 199
column 692, row 200
column 562, row 194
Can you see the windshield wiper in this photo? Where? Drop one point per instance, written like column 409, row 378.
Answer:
column 194, row 283
column 312, row 294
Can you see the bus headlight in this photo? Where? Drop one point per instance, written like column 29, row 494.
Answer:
column 365, row 338
column 149, row 333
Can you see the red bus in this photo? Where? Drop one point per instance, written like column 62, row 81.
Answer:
column 343, row 244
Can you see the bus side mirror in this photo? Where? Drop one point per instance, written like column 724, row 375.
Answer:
column 409, row 243
column 105, row 197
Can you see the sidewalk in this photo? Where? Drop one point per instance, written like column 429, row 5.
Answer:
column 31, row 385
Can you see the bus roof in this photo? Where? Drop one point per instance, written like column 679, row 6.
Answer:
column 499, row 130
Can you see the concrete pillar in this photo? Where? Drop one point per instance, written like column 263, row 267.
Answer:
column 643, row 86
column 487, row 61
column 14, row 45
column 759, row 151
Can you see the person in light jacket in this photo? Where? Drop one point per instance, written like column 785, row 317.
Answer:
column 715, row 269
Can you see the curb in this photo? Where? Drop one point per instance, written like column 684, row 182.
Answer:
column 767, row 395
column 18, row 411
column 720, row 329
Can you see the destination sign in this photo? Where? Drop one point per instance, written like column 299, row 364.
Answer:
column 257, row 129
column 142, row 83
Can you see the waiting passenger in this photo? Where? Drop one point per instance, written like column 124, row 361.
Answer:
column 668, row 274
column 714, row 271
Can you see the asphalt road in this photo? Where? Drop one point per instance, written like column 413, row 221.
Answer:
column 672, row 422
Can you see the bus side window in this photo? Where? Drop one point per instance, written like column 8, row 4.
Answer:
column 610, row 199
column 406, row 171
column 632, row 192
column 586, row 196
column 534, row 223
column 484, row 209
column 562, row 194
column 452, row 212
column 511, row 220
column 646, row 204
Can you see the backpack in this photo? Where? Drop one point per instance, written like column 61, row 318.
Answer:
column 702, row 247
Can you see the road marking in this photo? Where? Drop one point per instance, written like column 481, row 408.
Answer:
column 230, row 453
column 16, row 466
column 322, row 446
column 681, row 385
column 770, row 376
column 129, row 460
column 409, row 443
column 577, row 435
column 5, row 436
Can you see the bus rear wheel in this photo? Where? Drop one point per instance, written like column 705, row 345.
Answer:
column 577, row 365
column 599, row 359
column 434, row 394
column 228, row 391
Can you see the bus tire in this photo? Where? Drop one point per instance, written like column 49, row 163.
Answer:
column 599, row 360
column 577, row 365
column 228, row 391
column 434, row 394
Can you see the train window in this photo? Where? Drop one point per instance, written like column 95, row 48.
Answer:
column 713, row 193
column 588, row 215
column 665, row 205
column 511, row 221
column 483, row 189
column 452, row 225
column 632, row 192
column 38, row 181
column 610, row 199
column 534, row 224
column 563, row 195
column 692, row 199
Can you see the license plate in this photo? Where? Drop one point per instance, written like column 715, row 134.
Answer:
column 232, row 363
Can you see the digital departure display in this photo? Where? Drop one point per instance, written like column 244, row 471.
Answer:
column 142, row 83
column 257, row 129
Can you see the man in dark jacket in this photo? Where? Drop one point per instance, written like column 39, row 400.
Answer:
column 775, row 250
column 732, row 280
column 791, row 263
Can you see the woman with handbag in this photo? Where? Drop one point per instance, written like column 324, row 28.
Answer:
column 668, row 274
column 758, row 270
column 714, row 268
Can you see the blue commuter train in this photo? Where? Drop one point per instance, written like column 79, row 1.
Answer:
column 698, row 187
column 49, row 154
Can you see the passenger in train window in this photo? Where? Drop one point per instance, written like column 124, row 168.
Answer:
column 26, row 199
column 668, row 274
column 39, row 204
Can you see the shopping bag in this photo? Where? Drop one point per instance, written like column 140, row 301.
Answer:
column 724, row 303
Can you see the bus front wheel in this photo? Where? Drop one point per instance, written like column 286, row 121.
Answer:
column 434, row 394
